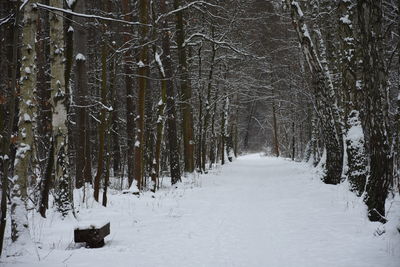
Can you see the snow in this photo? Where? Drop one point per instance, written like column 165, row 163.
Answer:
column 21, row 151
column 159, row 63
column 89, row 224
column 137, row 143
column 70, row 2
column 345, row 20
column 256, row 211
column 133, row 189
column 59, row 115
column 81, row 57
column 140, row 64
column 27, row 118
column 299, row 11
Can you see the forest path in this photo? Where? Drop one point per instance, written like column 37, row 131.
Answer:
column 257, row 211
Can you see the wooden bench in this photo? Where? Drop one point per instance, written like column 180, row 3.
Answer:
column 93, row 234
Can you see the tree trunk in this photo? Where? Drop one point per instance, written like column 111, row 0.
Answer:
column 171, row 111
column 160, row 105
column 246, row 140
column 224, row 124
column 43, row 95
column 199, row 157
column 275, row 126
column 213, row 143
column 327, row 111
column 9, row 66
column 103, row 123
column 83, row 157
column 185, row 91
column 24, row 165
column 143, row 72
column 63, row 195
column 130, row 113
column 109, row 129
column 370, row 18
column 208, row 105
column 356, row 156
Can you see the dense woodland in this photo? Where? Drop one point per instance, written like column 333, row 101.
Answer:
column 120, row 94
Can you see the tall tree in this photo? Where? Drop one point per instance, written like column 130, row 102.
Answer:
column 58, row 100
column 185, row 91
column 9, row 62
column 83, row 157
column 24, row 165
column 322, row 83
column 102, row 128
column 143, row 73
column 130, row 113
column 370, row 19
column 356, row 157
column 170, row 105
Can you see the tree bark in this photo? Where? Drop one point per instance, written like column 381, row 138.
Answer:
column 370, row 18
column 130, row 113
column 356, row 156
column 185, row 91
column 170, row 105
column 63, row 196
column 275, row 126
column 208, row 104
column 103, row 123
column 83, row 157
column 9, row 64
column 327, row 112
column 143, row 72
column 24, row 165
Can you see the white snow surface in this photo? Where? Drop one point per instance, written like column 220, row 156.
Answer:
column 80, row 56
column 82, row 225
column 256, row 211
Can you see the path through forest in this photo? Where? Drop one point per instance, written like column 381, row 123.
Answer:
column 258, row 212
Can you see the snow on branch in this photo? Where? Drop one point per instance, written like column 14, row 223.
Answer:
column 6, row 19
column 185, row 7
column 90, row 16
column 210, row 39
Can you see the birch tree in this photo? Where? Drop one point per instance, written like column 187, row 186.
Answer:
column 24, row 165
column 59, row 112
column 326, row 110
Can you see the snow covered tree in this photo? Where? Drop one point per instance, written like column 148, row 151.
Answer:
column 325, row 104
column 351, row 82
column 25, row 160
column 8, row 91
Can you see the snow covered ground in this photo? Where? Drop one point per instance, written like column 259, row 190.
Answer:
column 258, row 211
